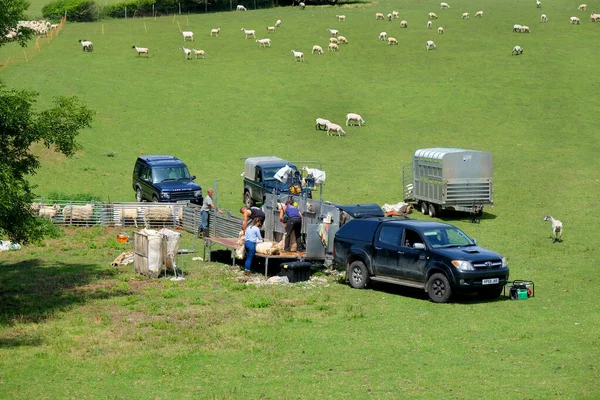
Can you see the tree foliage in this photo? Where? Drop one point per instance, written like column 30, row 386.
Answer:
column 11, row 12
column 20, row 127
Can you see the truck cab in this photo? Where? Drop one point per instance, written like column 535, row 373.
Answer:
column 263, row 175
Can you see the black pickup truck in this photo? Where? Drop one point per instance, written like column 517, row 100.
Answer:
column 436, row 257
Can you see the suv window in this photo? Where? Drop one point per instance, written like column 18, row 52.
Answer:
column 410, row 238
column 390, row 235
column 145, row 173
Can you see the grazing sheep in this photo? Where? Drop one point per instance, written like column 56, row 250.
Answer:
column 263, row 42
column 395, row 14
column 479, row 14
column 342, row 40
column 249, row 32
column 465, row 16
column 302, row 6
column 544, row 18
column 595, row 17
column 333, row 32
column 317, row 49
column 557, row 228
column 517, row 50
column 429, row 24
column 440, row 30
column 538, row 3
column 240, row 8
column 516, row 28
column 216, row 32
column 392, row 40
column 356, row 117
column 341, row 18
column 331, row 127
column 86, row 45
column 379, row 16
column 334, row 40
column 383, row 36
column 78, row 213
column 404, row 24
column 389, row 17
column 141, row 50
column 444, row 5
column 432, row 16
column 298, row 55
column 53, row 27
column 270, row 29
column 201, row 53
column 582, row 7
column 187, row 34
column 321, row 123
column 333, row 47
column 524, row 29
column 278, row 23
column 574, row 20
column 188, row 53
column 430, row 45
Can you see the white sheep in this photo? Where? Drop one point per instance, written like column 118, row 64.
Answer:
column 465, row 15
column 321, row 123
column 187, row 35
column 341, row 18
column 516, row 28
column 302, row 6
column 278, row 23
column 249, row 32
column 141, row 50
column 379, row 16
column 86, row 45
column 479, row 14
column 389, row 16
column 574, row 20
column 404, row 24
column 395, row 14
column 557, row 228
column 270, row 29
column 240, row 8
column 355, row 117
column 342, row 40
column 188, row 53
column 334, row 40
column 392, row 40
column 517, row 50
column 78, row 213
column 429, row 24
column 524, row 29
column 130, row 214
column 45, row 211
column 444, row 5
column 582, row 7
column 383, row 36
column 432, row 15
column 333, row 47
column 594, row 17
column 53, row 27
column 317, row 49
column 298, row 55
column 544, row 18
column 216, row 32
column 201, row 53
column 430, row 45
column 331, row 127
column 263, row 42
column 333, row 32
column 538, row 3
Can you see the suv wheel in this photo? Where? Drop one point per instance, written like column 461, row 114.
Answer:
column 359, row 275
column 424, row 209
column 490, row 293
column 138, row 195
column 438, row 288
column 248, row 199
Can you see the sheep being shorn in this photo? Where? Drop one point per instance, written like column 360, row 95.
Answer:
column 557, row 228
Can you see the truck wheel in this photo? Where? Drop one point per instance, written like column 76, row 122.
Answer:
column 438, row 288
column 154, row 199
column 138, row 195
column 248, row 199
column 432, row 211
column 424, row 208
column 359, row 275
column 490, row 293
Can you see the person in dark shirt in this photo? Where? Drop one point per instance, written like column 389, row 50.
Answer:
column 250, row 214
column 293, row 224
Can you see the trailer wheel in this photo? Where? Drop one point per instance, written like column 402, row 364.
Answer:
column 432, row 211
column 424, row 209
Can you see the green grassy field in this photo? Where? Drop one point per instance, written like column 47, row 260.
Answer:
column 79, row 329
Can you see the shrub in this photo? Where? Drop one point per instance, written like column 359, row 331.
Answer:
column 76, row 10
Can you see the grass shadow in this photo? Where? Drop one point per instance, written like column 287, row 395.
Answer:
column 420, row 294
column 34, row 290
column 450, row 215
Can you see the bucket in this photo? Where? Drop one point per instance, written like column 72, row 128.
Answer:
column 122, row 237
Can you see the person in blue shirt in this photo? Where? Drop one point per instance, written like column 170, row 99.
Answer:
column 293, row 223
column 252, row 238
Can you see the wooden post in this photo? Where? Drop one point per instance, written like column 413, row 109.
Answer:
column 187, row 20
column 179, row 25
column 25, row 54
column 103, row 29
column 145, row 28
column 125, row 12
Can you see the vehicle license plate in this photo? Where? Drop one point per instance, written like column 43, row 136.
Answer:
column 490, row 281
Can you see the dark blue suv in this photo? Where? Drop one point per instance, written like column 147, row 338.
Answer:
column 163, row 178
